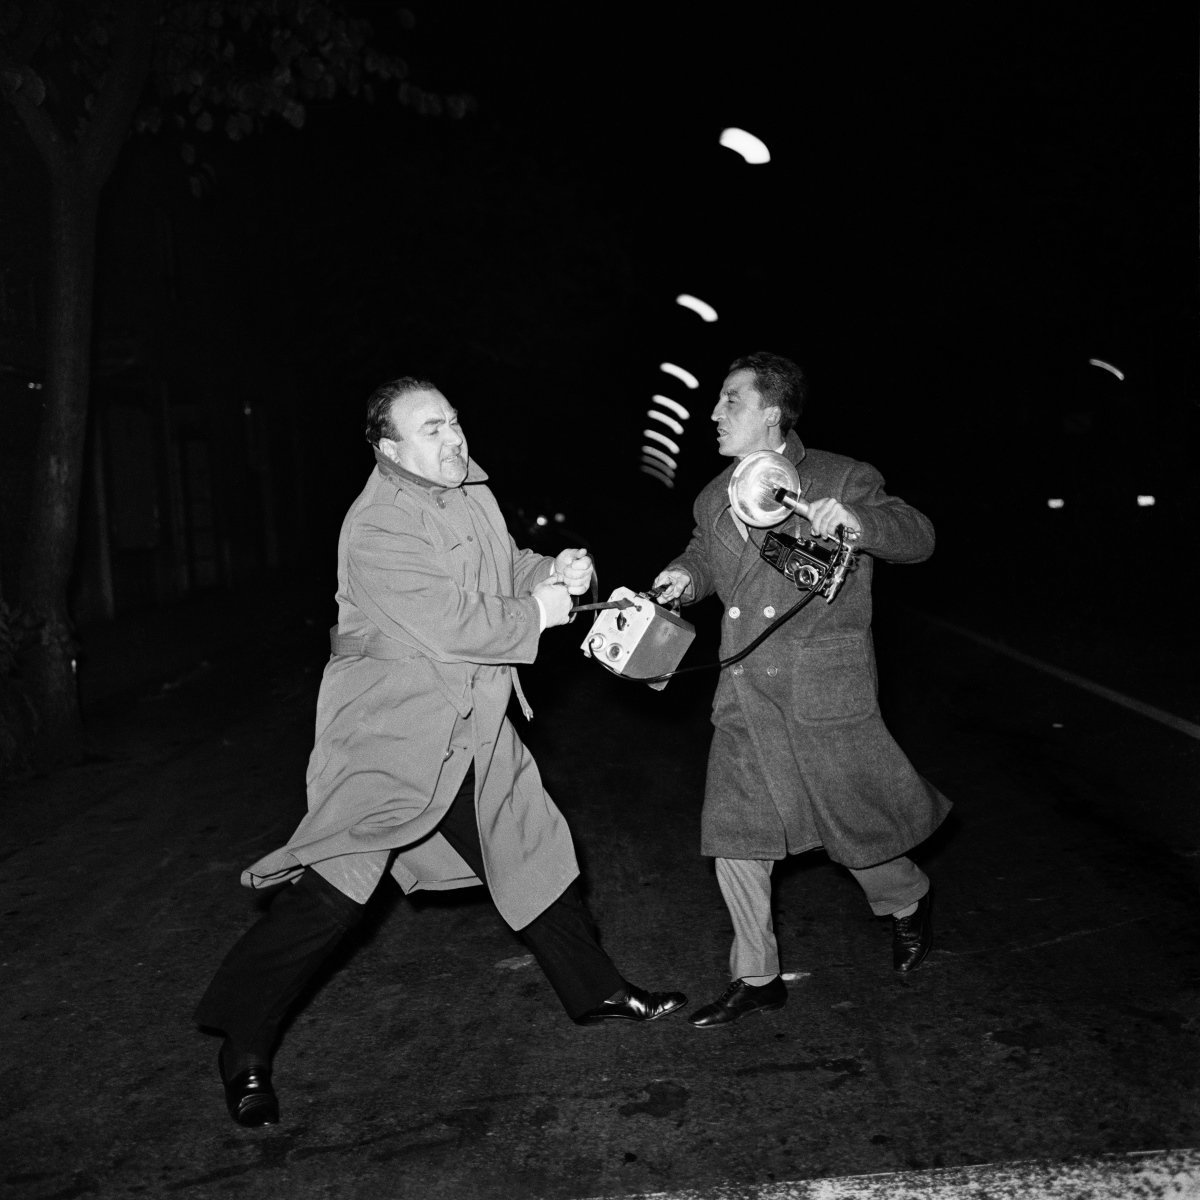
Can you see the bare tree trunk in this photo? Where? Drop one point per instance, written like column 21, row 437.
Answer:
column 78, row 162
column 49, row 666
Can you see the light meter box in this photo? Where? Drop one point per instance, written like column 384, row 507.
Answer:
column 640, row 641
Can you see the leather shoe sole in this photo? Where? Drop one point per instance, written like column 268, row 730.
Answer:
column 249, row 1096
column 912, row 936
column 635, row 1005
column 738, row 1000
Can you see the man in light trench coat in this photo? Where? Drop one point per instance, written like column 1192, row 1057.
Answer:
column 800, row 757
column 416, row 769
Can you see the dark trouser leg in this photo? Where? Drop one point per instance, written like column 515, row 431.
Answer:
column 269, row 965
column 562, row 937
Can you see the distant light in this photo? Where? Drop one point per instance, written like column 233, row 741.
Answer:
column 649, row 470
column 33, row 386
column 655, row 436
column 661, row 468
column 671, row 424
column 705, row 312
column 542, row 521
column 247, row 410
column 1107, row 366
column 752, row 149
column 1055, row 503
column 559, row 517
column 678, row 409
column 654, row 452
column 680, row 374
column 1145, row 502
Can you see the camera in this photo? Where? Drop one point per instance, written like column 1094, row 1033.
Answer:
column 809, row 565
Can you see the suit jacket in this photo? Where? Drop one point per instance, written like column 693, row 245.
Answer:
column 434, row 613
column 800, row 755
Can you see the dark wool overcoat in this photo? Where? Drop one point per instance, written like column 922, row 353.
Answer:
column 800, row 756
column 434, row 612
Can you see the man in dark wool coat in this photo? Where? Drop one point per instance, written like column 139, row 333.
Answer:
column 800, row 756
column 416, row 769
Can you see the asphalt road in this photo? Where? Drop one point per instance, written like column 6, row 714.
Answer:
column 1056, row 1016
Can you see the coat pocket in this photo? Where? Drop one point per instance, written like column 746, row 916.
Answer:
column 834, row 680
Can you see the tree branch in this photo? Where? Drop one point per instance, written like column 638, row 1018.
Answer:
column 112, row 114
column 45, row 134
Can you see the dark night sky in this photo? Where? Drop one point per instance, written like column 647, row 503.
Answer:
column 965, row 203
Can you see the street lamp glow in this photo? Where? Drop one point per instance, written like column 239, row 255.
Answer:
column 662, row 439
column 664, row 458
column 752, row 149
column 685, row 377
column 673, row 425
column 704, row 311
column 647, row 469
column 677, row 408
column 1145, row 502
column 1055, row 502
column 1107, row 366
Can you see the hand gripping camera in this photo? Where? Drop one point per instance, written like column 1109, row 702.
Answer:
column 765, row 489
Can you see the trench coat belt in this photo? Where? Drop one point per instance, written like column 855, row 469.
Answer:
column 371, row 646
column 378, row 646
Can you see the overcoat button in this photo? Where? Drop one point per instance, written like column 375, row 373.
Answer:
column 738, row 669
column 734, row 613
column 772, row 670
column 448, row 755
column 769, row 611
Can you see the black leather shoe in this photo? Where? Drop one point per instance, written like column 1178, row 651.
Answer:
column 249, row 1096
column 913, row 936
column 636, row 1005
column 738, row 999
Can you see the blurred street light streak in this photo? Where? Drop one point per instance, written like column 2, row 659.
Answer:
column 752, row 149
column 1107, row 366
column 683, row 376
column 649, row 469
column 677, row 408
column 654, row 452
column 704, row 311
column 664, row 471
column 669, row 422
column 662, row 438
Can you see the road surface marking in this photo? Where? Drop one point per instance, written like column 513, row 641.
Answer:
column 1149, row 1175
column 1097, row 689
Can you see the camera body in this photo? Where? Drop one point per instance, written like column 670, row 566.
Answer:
column 639, row 641
column 811, row 566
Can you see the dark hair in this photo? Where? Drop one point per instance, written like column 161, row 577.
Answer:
column 779, row 381
column 379, row 405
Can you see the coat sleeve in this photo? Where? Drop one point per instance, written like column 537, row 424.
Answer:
column 529, row 569
column 892, row 530
column 695, row 560
column 397, row 578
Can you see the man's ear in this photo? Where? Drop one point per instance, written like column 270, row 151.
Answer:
column 387, row 447
column 772, row 415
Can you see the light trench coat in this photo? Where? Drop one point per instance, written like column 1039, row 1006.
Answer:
column 800, row 756
column 434, row 613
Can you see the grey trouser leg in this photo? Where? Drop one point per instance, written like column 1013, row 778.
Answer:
column 892, row 885
column 746, row 886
